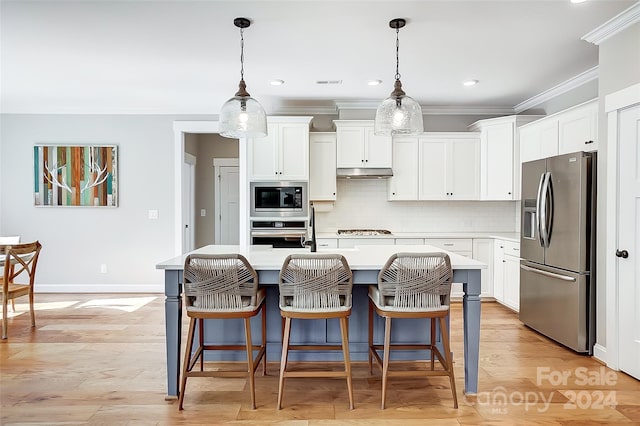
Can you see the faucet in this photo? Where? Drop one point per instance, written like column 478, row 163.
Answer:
column 312, row 241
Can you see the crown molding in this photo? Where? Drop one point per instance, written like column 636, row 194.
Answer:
column 301, row 109
column 614, row 25
column 431, row 110
column 564, row 87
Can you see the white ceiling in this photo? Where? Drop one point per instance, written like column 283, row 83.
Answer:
column 184, row 56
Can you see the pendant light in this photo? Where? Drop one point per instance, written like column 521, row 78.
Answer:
column 399, row 114
column 242, row 116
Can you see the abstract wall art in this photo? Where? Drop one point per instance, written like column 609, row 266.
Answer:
column 75, row 175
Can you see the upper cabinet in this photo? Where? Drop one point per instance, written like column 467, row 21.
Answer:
column 322, row 166
column 571, row 130
column 436, row 166
column 500, row 156
column 284, row 153
column 358, row 146
column 403, row 185
column 449, row 166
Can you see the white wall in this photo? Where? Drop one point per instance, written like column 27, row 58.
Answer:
column 77, row 240
column 362, row 203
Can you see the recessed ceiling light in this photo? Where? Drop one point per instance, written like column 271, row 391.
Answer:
column 470, row 82
column 374, row 82
column 578, row 1
column 276, row 82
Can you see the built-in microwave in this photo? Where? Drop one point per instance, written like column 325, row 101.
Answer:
column 279, row 199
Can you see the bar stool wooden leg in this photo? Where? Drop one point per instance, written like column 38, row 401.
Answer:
column 249, row 344
column 201, row 339
column 385, row 361
column 187, row 361
column 448, row 359
column 344, row 331
column 283, row 359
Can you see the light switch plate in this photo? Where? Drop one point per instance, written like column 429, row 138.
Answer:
column 153, row 214
column 203, row 212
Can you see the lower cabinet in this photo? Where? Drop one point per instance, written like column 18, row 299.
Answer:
column 461, row 246
column 506, row 268
column 327, row 242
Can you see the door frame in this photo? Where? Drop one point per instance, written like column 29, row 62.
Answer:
column 218, row 163
column 613, row 103
column 180, row 128
column 191, row 161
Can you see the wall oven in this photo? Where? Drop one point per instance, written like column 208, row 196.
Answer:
column 279, row 199
column 279, row 234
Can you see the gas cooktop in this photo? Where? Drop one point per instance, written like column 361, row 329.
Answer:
column 365, row 232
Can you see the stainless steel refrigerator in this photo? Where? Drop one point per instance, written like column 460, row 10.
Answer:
column 557, row 246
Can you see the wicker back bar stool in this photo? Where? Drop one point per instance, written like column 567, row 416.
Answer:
column 413, row 285
column 222, row 287
column 314, row 286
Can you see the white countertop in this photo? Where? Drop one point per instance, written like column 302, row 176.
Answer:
column 360, row 257
column 510, row 236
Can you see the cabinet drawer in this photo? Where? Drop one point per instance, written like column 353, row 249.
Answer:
column 452, row 244
column 352, row 242
column 327, row 242
column 511, row 248
column 409, row 241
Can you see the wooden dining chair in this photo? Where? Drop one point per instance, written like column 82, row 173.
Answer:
column 222, row 287
column 413, row 285
column 15, row 239
column 19, row 261
column 315, row 286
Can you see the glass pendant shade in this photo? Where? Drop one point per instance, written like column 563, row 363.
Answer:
column 242, row 117
column 399, row 114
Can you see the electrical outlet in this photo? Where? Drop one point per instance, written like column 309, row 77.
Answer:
column 153, row 214
column 103, row 268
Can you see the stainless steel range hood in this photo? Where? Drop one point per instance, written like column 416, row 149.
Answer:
column 364, row 173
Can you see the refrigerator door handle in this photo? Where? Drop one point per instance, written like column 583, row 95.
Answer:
column 548, row 274
column 547, row 197
column 540, row 214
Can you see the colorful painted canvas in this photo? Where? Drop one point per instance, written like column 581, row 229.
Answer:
column 76, row 175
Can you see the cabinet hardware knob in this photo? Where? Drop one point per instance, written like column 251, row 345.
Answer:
column 504, row 261
column 622, row 253
column 508, row 193
column 394, row 193
column 588, row 142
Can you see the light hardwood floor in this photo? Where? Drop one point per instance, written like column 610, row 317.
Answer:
column 100, row 359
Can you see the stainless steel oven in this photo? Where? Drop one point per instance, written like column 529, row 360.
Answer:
column 279, row 199
column 279, row 234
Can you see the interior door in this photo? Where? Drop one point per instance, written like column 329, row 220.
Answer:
column 229, row 206
column 530, row 247
column 629, row 240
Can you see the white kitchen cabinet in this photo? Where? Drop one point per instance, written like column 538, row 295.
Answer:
column 571, row 130
column 483, row 252
column 500, row 156
column 449, row 166
column 506, row 284
column 322, row 166
column 403, row 185
column 352, row 242
column 578, row 129
column 358, row 146
column 284, row 153
column 538, row 140
column 326, row 243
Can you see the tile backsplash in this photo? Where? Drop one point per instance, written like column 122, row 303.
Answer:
column 362, row 203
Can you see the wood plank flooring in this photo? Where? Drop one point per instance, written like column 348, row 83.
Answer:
column 100, row 359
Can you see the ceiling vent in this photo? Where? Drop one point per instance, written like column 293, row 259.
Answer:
column 329, row 82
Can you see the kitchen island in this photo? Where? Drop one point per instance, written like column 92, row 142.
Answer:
column 365, row 262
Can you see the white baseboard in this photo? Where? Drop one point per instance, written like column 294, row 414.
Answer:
column 99, row 288
column 600, row 353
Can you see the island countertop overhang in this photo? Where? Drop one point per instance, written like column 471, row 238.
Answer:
column 364, row 257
